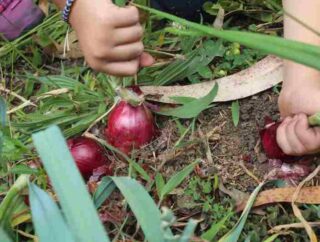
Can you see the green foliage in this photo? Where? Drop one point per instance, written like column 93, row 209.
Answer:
column 12, row 149
column 193, row 108
column 20, row 169
column 234, row 233
column 193, row 66
column 235, row 111
column 4, row 237
column 69, row 186
column 3, row 113
column 12, row 204
column 176, row 180
column 215, row 228
column 103, row 191
column 142, row 206
column 49, row 223
column 160, row 183
column 195, row 58
column 51, row 30
column 76, row 106
column 296, row 51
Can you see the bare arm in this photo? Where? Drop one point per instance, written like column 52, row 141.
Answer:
column 300, row 92
column 308, row 12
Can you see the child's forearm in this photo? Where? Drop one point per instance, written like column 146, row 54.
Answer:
column 307, row 12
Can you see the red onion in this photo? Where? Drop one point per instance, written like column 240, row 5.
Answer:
column 88, row 154
column 269, row 142
column 130, row 127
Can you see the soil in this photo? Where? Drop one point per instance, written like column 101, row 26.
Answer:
column 229, row 145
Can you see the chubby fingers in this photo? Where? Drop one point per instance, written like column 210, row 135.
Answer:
column 127, row 16
column 309, row 136
column 295, row 137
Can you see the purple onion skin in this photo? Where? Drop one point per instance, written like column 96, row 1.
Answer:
column 130, row 127
column 88, row 155
column 269, row 142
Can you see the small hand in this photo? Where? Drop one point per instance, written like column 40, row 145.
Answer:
column 296, row 137
column 110, row 37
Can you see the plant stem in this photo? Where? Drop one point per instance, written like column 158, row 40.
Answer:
column 314, row 120
column 101, row 117
column 130, row 96
column 17, row 187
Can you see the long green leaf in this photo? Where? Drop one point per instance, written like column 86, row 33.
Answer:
column 103, row 191
column 296, row 51
column 67, row 182
column 188, row 231
column 4, row 237
column 193, row 108
column 234, row 234
column 176, row 180
column 143, row 207
column 47, row 219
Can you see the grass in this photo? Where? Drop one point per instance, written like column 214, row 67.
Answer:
column 68, row 94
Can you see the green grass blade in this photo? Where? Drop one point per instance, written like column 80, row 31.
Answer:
column 3, row 113
column 141, row 171
column 194, row 108
column 67, row 182
column 188, row 231
column 234, row 233
column 235, row 111
column 143, row 207
column 12, row 194
column 49, row 224
column 11, row 202
column 4, row 237
column 159, row 183
column 272, row 238
column 296, row 51
column 3, row 110
column 176, row 180
column 211, row 233
column 103, row 191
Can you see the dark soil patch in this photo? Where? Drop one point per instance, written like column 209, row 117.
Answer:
column 229, row 145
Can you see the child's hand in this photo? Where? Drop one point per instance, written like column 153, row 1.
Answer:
column 296, row 137
column 110, row 36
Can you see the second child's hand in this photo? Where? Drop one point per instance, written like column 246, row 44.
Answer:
column 110, row 37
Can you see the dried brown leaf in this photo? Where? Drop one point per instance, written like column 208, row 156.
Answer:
column 261, row 76
column 296, row 210
column 278, row 228
column 307, row 195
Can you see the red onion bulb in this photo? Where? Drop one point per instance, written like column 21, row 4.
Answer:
column 88, row 155
column 269, row 142
column 130, row 127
